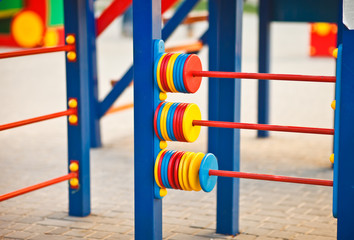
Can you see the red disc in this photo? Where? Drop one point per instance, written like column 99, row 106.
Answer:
column 170, row 170
column 175, row 122
column 163, row 70
column 155, row 120
column 181, row 121
column 175, row 172
column 191, row 64
column 178, row 125
column 159, row 168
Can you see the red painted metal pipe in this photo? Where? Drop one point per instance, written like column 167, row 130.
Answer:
column 268, row 177
column 264, row 127
column 38, row 119
column 38, row 186
column 34, row 51
column 264, row 76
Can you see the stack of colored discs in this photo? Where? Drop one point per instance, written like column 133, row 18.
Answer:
column 173, row 72
column 174, row 121
column 181, row 170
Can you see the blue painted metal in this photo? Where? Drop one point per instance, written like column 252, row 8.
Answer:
column 76, row 15
column 225, row 28
column 344, row 163
column 263, row 64
column 120, row 86
column 336, row 131
column 148, row 209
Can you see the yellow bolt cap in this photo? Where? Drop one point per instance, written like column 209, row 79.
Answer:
column 331, row 158
column 335, row 53
column 71, row 55
column 72, row 103
column 73, row 119
column 74, row 182
column 70, row 39
column 163, row 144
column 163, row 96
column 74, row 166
column 163, row 192
column 333, row 105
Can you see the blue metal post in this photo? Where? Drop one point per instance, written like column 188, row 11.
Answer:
column 263, row 64
column 148, row 210
column 345, row 131
column 225, row 35
column 76, row 14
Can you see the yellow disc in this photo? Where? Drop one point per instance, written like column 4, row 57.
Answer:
column 70, row 39
column 180, row 171
column 74, row 182
column 331, row 158
column 163, row 192
column 186, row 165
column 335, row 53
column 163, row 96
column 333, row 105
column 158, row 73
column 169, row 75
column 51, row 37
column 156, row 168
column 193, row 172
column 74, row 167
column 163, row 144
column 27, row 29
column 72, row 103
column 190, row 132
column 163, row 119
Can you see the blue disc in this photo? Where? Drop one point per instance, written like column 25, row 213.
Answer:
column 175, row 73
column 155, row 68
column 180, row 71
column 158, row 120
column 169, row 121
column 178, row 83
column 164, row 159
column 208, row 163
column 165, row 169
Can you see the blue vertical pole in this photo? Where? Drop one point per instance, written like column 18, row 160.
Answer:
column 225, row 35
column 76, row 22
column 345, row 131
column 263, row 64
column 148, row 210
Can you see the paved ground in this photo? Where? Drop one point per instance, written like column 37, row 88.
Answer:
column 36, row 85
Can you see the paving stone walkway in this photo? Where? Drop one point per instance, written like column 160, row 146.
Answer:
column 36, row 85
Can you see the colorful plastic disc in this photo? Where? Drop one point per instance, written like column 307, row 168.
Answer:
column 164, row 168
column 208, row 163
column 156, row 168
column 175, row 169
column 158, row 121
column 170, row 116
column 157, row 72
column 163, row 72
column 163, row 121
column 170, row 72
column 170, row 169
column 192, row 64
column 175, row 122
column 184, row 107
column 175, row 73
column 190, row 132
column 159, row 167
column 155, row 121
column 180, row 171
column 180, row 73
column 186, row 164
column 193, row 171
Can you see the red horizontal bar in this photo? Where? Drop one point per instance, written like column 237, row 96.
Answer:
column 38, row 186
column 33, row 51
column 264, row 76
column 38, row 119
column 268, row 177
column 264, row 127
